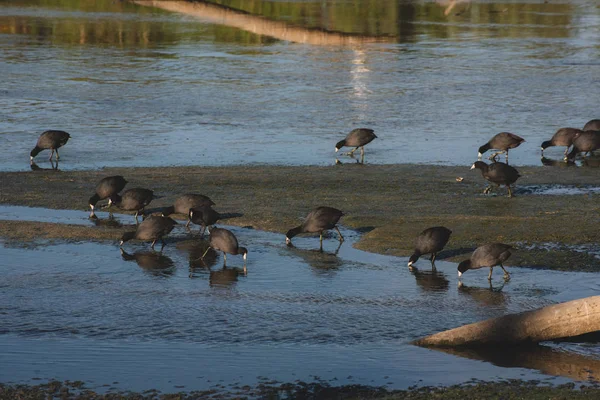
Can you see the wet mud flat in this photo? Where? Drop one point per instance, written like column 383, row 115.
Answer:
column 389, row 205
column 511, row 389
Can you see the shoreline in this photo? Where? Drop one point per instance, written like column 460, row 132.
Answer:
column 389, row 204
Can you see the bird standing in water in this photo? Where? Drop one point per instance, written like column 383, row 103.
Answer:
column 503, row 141
column 224, row 240
column 318, row 220
column 357, row 138
column 50, row 140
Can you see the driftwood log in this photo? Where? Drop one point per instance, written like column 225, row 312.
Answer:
column 555, row 322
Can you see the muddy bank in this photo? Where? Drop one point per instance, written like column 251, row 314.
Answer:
column 389, row 204
column 513, row 389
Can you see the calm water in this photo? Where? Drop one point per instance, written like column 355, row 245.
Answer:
column 140, row 86
column 86, row 311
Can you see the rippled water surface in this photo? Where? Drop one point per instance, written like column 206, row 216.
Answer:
column 137, row 85
column 69, row 310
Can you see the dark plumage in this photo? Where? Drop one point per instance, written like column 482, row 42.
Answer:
column 203, row 216
column 587, row 141
column 183, row 204
column 318, row 220
column 562, row 137
column 503, row 141
column 593, row 125
column 152, row 228
column 107, row 187
column 430, row 241
column 135, row 199
column 50, row 140
column 488, row 255
column 224, row 240
column 357, row 138
column 498, row 173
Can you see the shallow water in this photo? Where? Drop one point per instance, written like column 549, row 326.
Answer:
column 139, row 86
column 86, row 311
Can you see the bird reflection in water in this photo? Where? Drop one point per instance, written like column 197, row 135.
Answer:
column 321, row 262
column 153, row 262
column 548, row 162
column 109, row 222
column 194, row 250
column 35, row 167
column 226, row 277
column 360, row 160
column 431, row 280
column 490, row 296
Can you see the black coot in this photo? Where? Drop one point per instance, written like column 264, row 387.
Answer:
column 152, row 228
column 562, row 137
column 183, row 204
column 357, row 138
column 488, row 255
column 318, row 220
column 430, row 241
column 135, row 199
column 498, row 173
column 107, row 187
column 50, row 140
column 203, row 216
column 224, row 240
column 503, row 141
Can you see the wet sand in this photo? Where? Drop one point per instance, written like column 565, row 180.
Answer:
column 389, row 204
column 513, row 389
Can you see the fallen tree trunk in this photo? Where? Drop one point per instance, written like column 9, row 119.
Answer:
column 559, row 321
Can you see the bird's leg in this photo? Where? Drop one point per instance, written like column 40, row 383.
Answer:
column 224, row 259
column 57, row 156
column 490, row 275
column 136, row 219
column 362, row 152
column 351, row 152
column 506, row 274
column 432, row 261
column 202, row 229
column 321, row 240
column 188, row 222
column 339, row 233
column 205, row 252
column 152, row 245
column 507, row 156
column 51, row 154
column 509, row 191
column 487, row 189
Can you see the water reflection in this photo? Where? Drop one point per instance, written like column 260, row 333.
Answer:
column 195, row 249
column 35, row 167
column 431, row 281
column 542, row 358
column 322, row 262
column 557, row 163
column 155, row 263
column 226, row 277
column 110, row 221
column 490, row 296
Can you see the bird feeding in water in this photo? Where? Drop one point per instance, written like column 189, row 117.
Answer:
column 357, row 138
column 221, row 239
column 52, row 140
column 488, row 255
column 318, row 220
column 107, row 187
column 503, row 141
column 430, row 241
column 152, row 228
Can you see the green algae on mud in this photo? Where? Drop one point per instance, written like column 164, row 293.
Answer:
column 510, row 389
column 391, row 204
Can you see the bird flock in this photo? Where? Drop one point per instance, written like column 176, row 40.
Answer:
column 199, row 211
